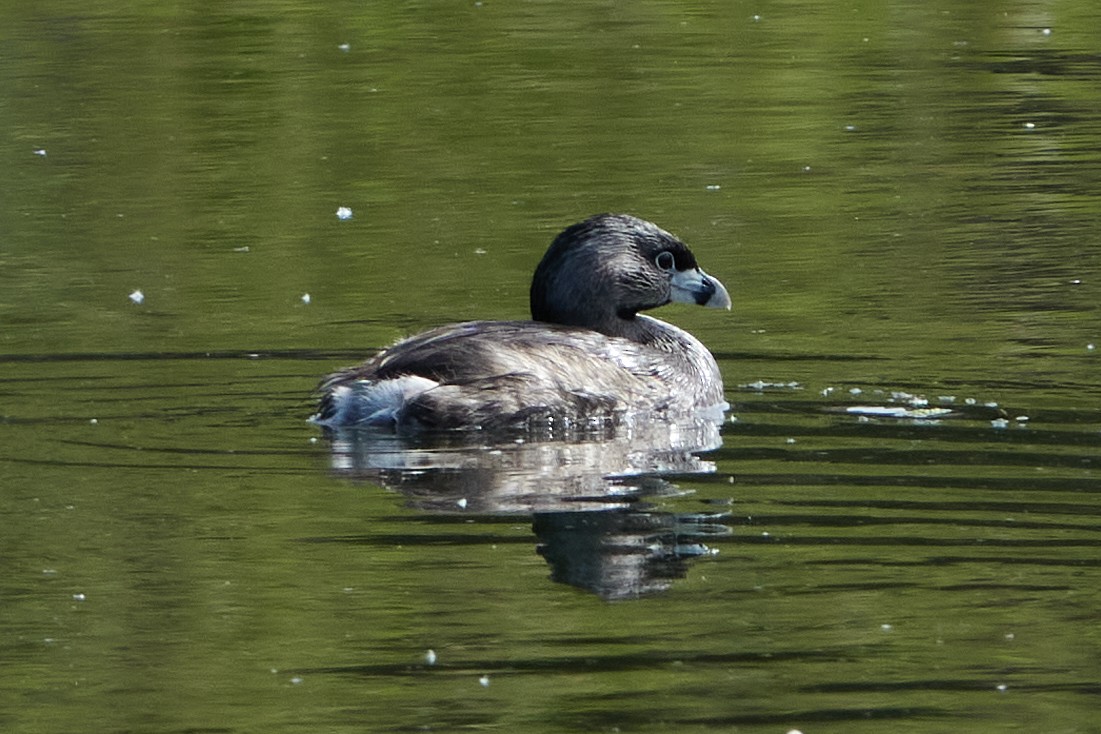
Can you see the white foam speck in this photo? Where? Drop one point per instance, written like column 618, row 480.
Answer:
column 137, row 297
column 763, row 385
column 343, row 213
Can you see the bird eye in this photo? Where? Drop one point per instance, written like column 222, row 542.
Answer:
column 664, row 260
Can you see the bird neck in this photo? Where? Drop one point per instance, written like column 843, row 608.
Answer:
column 642, row 330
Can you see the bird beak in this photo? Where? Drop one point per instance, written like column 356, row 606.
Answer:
column 697, row 287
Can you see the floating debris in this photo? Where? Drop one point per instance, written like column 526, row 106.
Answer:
column 763, row 385
column 306, row 298
column 1030, row 126
column 343, row 213
column 484, row 680
column 461, row 503
column 41, row 152
column 891, row 411
column 430, row 657
column 713, row 187
column 917, row 401
column 345, row 47
column 137, row 297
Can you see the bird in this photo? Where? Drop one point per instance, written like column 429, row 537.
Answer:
column 588, row 356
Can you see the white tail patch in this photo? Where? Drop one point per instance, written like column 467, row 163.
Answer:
column 367, row 403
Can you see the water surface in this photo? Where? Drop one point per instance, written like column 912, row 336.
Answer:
column 897, row 527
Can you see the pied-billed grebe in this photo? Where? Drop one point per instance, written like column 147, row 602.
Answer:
column 586, row 356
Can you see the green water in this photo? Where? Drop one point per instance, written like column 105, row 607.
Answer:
column 902, row 199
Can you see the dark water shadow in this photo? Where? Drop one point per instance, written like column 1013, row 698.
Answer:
column 590, row 495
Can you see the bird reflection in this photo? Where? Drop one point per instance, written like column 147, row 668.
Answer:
column 589, row 493
column 624, row 554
